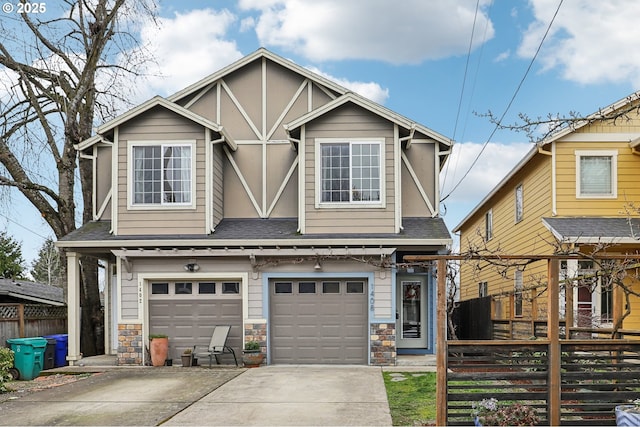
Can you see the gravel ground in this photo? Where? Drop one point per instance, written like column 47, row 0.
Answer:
column 43, row 382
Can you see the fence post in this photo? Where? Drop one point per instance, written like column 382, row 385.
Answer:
column 553, row 333
column 441, row 344
column 21, row 331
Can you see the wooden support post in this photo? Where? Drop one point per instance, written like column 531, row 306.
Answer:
column 441, row 344
column 21, row 331
column 553, row 326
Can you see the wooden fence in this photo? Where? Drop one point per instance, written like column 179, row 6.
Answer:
column 594, row 377
column 31, row 320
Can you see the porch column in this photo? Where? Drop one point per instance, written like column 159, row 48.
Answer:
column 73, row 307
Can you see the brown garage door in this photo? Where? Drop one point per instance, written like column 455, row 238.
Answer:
column 318, row 322
column 188, row 311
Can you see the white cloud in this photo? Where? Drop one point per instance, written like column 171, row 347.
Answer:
column 401, row 32
column 370, row 90
column 590, row 42
column 495, row 162
column 188, row 47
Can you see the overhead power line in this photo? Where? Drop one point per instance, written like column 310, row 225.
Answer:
column 499, row 122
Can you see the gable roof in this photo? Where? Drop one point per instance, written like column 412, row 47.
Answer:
column 371, row 106
column 258, row 54
column 156, row 101
column 31, row 291
column 587, row 230
column 600, row 114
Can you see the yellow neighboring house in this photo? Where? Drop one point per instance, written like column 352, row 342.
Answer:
column 568, row 193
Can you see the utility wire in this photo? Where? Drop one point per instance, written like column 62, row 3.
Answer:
column 23, row 227
column 499, row 122
column 464, row 81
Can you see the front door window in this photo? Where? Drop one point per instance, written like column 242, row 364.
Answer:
column 411, row 310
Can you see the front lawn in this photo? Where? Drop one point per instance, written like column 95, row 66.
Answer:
column 412, row 397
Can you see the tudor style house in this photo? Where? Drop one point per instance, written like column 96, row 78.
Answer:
column 568, row 193
column 271, row 199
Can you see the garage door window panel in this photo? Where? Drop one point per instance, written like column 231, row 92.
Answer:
column 206, row 288
column 160, row 289
column 231, row 288
column 355, row 287
column 183, row 288
column 330, row 287
column 307, row 287
column 283, row 287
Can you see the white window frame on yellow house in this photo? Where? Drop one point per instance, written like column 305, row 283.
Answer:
column 613, row 179
column 518, row 288
column 519, row 203
column 488, row 225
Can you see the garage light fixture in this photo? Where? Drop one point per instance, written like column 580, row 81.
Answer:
column 318, row 266
column 191, row 267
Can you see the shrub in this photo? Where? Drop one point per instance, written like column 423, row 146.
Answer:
column 490, row 413
column 6, row 363
column 252, row 346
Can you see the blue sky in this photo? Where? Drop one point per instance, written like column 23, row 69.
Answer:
column 411, row 56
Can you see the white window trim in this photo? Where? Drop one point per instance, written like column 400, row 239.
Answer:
column 614, row 173
column 488, row 225
column 518, row 219
column 518, row 289
column 160, row 206
column 349, row 205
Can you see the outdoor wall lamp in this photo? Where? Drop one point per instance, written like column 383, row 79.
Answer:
column 191, row 267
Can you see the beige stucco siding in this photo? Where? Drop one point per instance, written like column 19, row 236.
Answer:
column 160, row 125
column 349, row 122
column 421, row 160
column 628, row 167
column 102, row 179
column 280, row 158
column 217, row 186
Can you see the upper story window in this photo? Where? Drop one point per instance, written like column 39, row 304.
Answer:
column 488, row 225
column 162, row 174
column 519, row 203
column 350, row 171
column 596, row 174
column 517, row 294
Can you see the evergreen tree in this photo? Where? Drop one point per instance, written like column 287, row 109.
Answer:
column 11, row 261
column 46, row 267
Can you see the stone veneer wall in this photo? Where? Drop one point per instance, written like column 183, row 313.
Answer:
column 256, row 332
column 383, row 344
column 130, row 344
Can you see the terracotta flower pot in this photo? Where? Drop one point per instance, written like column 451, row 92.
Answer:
column 252, row 359
column 159, row 349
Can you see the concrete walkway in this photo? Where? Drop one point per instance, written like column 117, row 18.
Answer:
column 294, row 396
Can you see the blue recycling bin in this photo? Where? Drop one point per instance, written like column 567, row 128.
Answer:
column 62, row 348
column 28, row 356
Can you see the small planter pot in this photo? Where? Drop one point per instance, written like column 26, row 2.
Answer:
column 252, row 359
column 186, row 360
column 627, row 415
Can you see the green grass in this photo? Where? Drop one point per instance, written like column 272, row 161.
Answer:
column 412, row 401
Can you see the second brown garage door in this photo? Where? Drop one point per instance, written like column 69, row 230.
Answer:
column 318, row 322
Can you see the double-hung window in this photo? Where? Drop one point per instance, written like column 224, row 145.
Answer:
column 350, row 171
column 596, row 174
column 162, row 174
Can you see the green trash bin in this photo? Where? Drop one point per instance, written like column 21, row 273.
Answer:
column 28, row 356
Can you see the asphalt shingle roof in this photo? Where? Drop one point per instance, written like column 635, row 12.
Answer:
column 266, row 229
column 31, row 290
column 593, row 228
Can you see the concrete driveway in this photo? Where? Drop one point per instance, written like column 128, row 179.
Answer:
column 271, row 395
